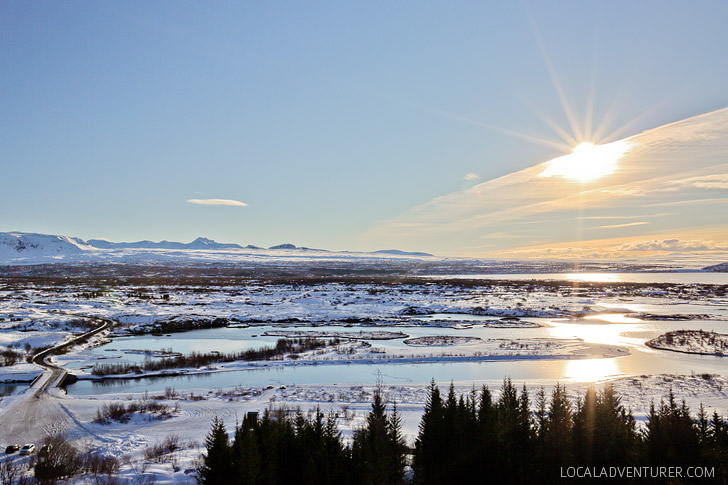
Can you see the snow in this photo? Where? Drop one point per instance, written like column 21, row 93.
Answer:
column 21, row 245
column 722, row 267
column 351, row 403
column 692, row 342
column 25, row 248
column 441, row 340
column 462, row 323
column 361, row 335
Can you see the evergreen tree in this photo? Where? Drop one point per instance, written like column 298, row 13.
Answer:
column 584, row 427
column 717, row 455
column 378, row 457
column 427, row 464
column 558, row 437
column 487, row 435
column 615, row 436
column 506, row 457
column 216, row 465
column 246, row 461
column 671, row 438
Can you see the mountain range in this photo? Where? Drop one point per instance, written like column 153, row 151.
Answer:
column 24, row 246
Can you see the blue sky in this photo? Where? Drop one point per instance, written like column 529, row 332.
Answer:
column 326, row 118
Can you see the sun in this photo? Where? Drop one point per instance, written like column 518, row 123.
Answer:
column 587, row 162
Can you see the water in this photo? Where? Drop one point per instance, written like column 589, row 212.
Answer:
column 681, row 278
column 610, row 329
column 8, row 389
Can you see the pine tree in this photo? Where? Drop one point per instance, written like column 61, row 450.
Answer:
column 487, row 435
column 584, row 427
column 557, row 440
column 397, row 447
column 427, row 464
column 376, row 457
column 506, row 458
column 246, row 460
column 216, row 466
column 671, row 438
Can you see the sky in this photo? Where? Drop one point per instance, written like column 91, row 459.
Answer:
column 363, row 125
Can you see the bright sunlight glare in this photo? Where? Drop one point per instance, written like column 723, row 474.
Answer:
column 587, row 162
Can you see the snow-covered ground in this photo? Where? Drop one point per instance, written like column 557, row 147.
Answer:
column 190, row 413
column 383, row 324
column 693, row 342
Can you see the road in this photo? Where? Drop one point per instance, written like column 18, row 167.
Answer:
column 39, row 411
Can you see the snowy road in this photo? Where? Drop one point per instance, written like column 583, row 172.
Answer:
column 38, row 411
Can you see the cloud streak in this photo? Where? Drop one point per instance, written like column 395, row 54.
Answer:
column 217, row 202
column 629, row 224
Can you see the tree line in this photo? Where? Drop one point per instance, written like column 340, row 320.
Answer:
column 306, row 449
column 470, row 438
column 284, row 346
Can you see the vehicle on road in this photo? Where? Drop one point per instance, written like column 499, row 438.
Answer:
column 12, row 448
column 27, row 449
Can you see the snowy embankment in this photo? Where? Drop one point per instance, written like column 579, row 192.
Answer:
column 692, row 342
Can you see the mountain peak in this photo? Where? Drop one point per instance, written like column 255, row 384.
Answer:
column 284, row 246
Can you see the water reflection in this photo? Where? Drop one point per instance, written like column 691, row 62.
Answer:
column 590, row 370
column 593, row 277
column 604, row 333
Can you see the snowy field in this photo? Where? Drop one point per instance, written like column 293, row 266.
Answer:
column 401, row 329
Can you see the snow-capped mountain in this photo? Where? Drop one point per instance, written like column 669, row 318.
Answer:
column 199, row 243
column 284, row 246
column 29, row 245
column 27, row 248
column 397, row 252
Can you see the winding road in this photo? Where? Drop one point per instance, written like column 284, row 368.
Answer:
column 38, row 411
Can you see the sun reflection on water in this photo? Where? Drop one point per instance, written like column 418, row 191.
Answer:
column 594, row 277
column 594, row 332
column 590, row 370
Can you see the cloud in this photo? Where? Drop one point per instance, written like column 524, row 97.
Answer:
column 228, row 202
column 471, row 176
column 500, row 235
column 614, row 226
column 689, row 202
column 715, row 181
column 674, row 245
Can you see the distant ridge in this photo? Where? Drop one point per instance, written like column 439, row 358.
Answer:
column 293, row 246
column 284, row 246
column 199, row 243
column 717, row 268
column 397, row 252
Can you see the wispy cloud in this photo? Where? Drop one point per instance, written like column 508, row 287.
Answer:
column 715, row 181
column 689, row 202
column 614, row 226
column 228, row 202
column 471, row 176
column 674, row 245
